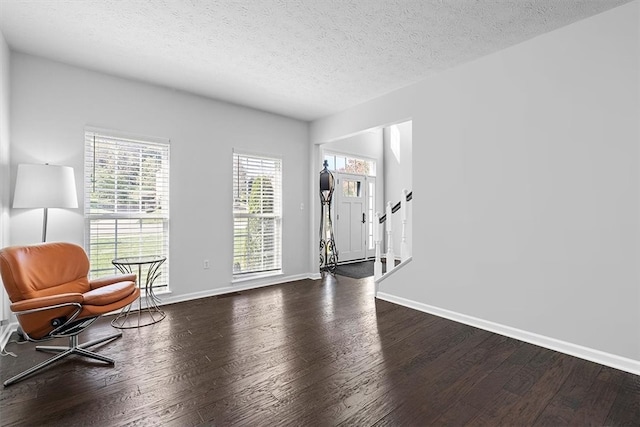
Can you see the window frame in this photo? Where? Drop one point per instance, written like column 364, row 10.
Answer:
column 276, row 216
column 144, row 219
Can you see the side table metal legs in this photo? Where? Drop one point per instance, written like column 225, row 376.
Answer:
column 147, row 313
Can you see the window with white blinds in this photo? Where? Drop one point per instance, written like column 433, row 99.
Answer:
column 257, row 214
column 126, row 201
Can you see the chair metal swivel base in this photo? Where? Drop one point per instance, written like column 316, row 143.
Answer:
column 73, row 348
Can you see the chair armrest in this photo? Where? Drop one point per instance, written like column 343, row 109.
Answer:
column 45, row 303
column 110, row 280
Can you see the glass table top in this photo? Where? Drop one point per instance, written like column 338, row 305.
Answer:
column 135, row 260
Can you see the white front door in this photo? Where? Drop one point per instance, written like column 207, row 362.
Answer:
column 351, row 216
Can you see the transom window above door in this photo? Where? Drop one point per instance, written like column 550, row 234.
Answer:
column 348, row 164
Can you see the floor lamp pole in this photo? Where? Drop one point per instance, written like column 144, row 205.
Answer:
column 44, row 225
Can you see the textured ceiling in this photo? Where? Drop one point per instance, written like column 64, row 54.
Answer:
column 300, row 58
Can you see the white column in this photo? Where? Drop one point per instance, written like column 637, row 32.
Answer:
column 377, row 238
column 391, row 256
column 404, row 247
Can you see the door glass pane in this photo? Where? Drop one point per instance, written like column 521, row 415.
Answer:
column 351, row 188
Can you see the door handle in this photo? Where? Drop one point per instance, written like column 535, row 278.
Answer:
column 363, row 218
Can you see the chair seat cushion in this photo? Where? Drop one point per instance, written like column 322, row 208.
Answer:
column 109, row 294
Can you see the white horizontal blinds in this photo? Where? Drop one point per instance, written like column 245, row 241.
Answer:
column 126, row 201
column 257, row 214
column 128, row 176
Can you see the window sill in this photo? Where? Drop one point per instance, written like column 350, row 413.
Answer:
column 249, row 277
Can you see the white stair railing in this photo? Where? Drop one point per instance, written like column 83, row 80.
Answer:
column 385, row 221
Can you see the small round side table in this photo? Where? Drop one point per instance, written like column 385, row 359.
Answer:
column 145, row 315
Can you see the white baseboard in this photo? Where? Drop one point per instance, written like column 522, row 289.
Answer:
column 597, row 356
column 238, row 286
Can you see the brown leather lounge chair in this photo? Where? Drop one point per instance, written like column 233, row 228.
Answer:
column 52, row 297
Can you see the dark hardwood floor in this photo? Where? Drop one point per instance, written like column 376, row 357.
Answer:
column 319, row 352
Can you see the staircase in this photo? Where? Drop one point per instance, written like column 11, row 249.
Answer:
column 383, row 225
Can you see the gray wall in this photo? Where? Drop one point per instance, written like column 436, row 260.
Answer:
column 51, row 105
column 4, row 166
column 526, row 198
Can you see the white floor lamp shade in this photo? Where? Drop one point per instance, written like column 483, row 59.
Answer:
column 45, row 186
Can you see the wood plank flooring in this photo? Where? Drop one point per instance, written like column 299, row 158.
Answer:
column 322, row 352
